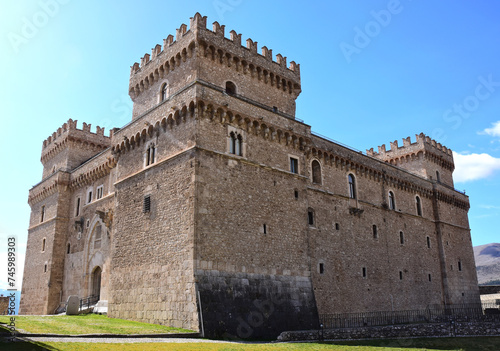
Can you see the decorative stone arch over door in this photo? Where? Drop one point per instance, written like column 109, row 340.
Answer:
column 95, row 249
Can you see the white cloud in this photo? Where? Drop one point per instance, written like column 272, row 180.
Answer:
column 474, row 166
column 493, row 131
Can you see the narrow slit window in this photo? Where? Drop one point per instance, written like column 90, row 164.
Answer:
column 68, row 249
column 337, row 226
column 77, row 212
column 43, row 245
column 296, row 193
column 310, row 217
column 401, row 238
column 321, row 268
column 42, row 214
column 459, row 266
column 265, row 229
column 430, row 278
column 400, row 275
column 428, row 242
column 375, row 232
column 363, row 271
column 45, row 268
column 89, row 197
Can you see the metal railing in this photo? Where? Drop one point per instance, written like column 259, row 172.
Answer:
column 433, row 314
column 88, row 301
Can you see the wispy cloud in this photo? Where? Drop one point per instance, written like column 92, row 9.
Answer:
column 490, row 207
column 472, row 167
column 493, row 131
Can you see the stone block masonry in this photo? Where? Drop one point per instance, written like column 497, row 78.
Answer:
column 216, row 209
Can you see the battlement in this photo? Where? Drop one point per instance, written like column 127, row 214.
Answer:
column 67, row 128
column 199, row 23
column 422, row 142
column 68, row 133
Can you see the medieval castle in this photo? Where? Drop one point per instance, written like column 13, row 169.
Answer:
column 216, row 209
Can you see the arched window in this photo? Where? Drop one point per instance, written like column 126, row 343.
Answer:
column 97, row 236
column 150, row 154
column 352, row 186
column 235, row 144
column 392, row 201
column 230, row 88
column 163, row 93
column 418, row 203
column 316, row 172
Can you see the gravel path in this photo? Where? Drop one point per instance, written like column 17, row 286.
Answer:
column 126, row 340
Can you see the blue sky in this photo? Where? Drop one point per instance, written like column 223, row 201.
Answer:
column 372, row 72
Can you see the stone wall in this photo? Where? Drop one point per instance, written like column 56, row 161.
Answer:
column 486, row 328
column 238, row 305
column 152, row 276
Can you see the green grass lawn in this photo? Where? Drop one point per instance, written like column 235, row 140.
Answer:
column 465, row 344
column 87, row 324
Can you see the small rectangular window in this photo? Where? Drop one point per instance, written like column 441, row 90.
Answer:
column 296, row 193
column 364, row 272
column 401, row 238
column 89, row 197
column 337, row 226
column 459, row 266
column 146, row 204
column 428, row 242
column 310, row 217
column 77, row 212
column 321, row 268
column 294, row 165
column 400, row 275
column 265, row 229
column 375, row 232
column 430, row 278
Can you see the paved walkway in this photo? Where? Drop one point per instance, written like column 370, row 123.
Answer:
column 124, row 340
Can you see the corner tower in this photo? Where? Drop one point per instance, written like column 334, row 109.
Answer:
column 425, row 157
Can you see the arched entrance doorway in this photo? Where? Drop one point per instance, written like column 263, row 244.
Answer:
column 96, row 283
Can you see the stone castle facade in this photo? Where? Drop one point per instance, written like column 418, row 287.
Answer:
column 216, row 209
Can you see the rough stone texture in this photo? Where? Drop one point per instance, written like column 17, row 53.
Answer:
column 251, row 305
column 235, row 228
column 453, row 329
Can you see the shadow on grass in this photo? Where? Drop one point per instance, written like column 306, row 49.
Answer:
column 22, row 345
column 458, row 343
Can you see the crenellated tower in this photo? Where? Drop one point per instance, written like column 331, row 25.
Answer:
column 425, row 157
column 209, row 58
column 69, row 147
